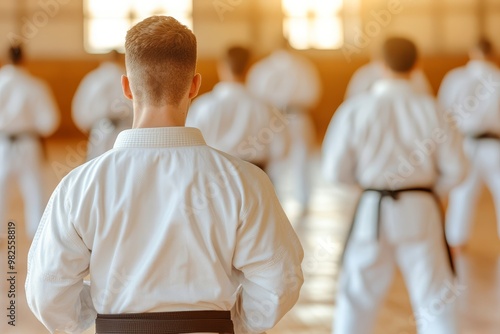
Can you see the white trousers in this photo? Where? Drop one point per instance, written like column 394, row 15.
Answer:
column 412, row 238
column 484, row 158
column 21, row 163
column 302, row 138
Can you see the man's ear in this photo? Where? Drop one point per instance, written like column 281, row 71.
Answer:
column 195, row 86
column 126, row 88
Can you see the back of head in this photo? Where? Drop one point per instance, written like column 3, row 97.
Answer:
column 160, row 56
column 16, row 55
column 237, row 59
column 483, row 48
column 399, row 54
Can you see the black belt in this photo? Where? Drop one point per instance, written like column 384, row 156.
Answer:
column 165, row 323
column 394, row 194
column 486, row 135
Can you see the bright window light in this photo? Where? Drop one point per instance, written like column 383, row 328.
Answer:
column 107, row 21
column 313, row 24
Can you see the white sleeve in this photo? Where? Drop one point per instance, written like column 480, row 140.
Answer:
column 58, row 261
column 448, row 90
column 269, row 255
column 339, row 159
column 452, row 163
column 45, row 110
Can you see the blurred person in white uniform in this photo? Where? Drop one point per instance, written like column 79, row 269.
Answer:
column 177, row 236
column 99, row 107
column 471, row 98
column 364, row 79
column 233, row 120
column 27, row 113
column 392, row 144
column 292, row 84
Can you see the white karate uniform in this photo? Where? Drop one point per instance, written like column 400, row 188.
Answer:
column 100, row 108
column 392, row 138
column 234, row 121
column 27, row 111
column 292, row 84
column 366, row 76
column 471, row 97
column 163, row 222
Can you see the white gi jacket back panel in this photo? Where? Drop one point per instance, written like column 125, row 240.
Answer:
column 164, row 223
column 286, row 80
column 235, row 122
column 100, row 96
column 366, row 76
column 471, row 97
column 26, row 104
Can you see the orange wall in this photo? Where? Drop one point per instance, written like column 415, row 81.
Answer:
column 64, row 77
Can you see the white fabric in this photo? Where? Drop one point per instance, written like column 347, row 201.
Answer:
column 163, row 222
column 366, row 76
column 26, row 107
column 234, row 121
column 292, row 84
column 393, row 138
column 98, row 99
column 471, row 97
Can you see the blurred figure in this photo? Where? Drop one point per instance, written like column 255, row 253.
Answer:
column 471, row 97
column 232, row 119
column 366, row 76
column 99, row 107
column 391, row 143
column 291, row 83
column 27, row 112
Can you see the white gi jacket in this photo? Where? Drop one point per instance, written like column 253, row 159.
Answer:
column 366, row 76
column 392, row 138
column 98, row 100
column 163, row 222
column 286, row 80
column 235, row 122
column 26, row 104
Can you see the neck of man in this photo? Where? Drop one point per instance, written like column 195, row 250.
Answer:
column 159, row 117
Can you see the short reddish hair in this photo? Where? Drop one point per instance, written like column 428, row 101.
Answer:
column 161, row 57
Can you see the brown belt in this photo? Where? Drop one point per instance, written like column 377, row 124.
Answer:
column 165, row 323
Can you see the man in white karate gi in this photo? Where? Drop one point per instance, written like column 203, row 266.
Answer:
column 27, row 113
column 392, row 144
column 176, row 236
column 364, row 79
column 99, row 107
column 292, row 84
column 234, row 121
column 471, row 98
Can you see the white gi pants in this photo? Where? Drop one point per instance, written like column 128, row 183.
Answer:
column 484, row 156
column 302, row 142
column 412, row 238
column 21, row 163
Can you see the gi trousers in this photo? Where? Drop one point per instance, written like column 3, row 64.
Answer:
column 412, row 238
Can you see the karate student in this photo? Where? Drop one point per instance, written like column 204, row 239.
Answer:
column 234, row 121
column 471, row 97
column 27, row 113
column 99, row 107
column 366, row 76
column 164, row 224
column 392, row 144
column 291, row 83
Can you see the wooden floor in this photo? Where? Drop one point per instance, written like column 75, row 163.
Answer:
column 322, row 232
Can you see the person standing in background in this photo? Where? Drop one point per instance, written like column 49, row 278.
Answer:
column 471, row 98
column 398, row 221
column 27, row 113
column 234, row 121
column 99, row 107
column 292, row 84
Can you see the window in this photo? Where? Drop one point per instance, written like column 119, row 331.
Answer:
column 107, row 21
column 313, row 24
